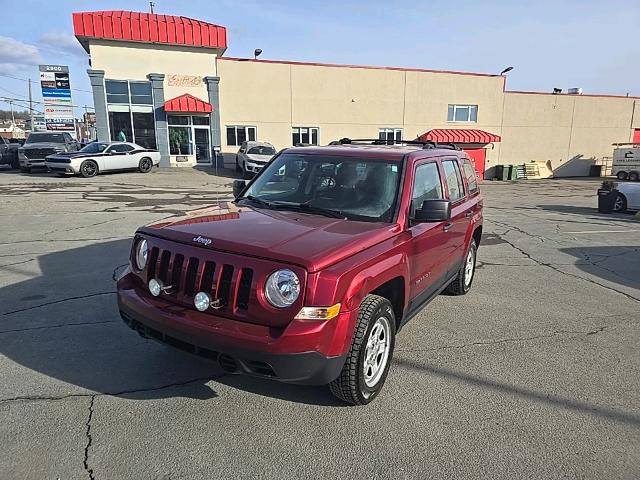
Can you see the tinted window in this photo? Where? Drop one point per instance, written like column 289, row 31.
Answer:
column 94, row 147
column 45, row 137
column 426, row 185
column 262, row 150
column 470, row 173
column 141, row 93
column 117, row 91
column 121, row 147
column 454, row 180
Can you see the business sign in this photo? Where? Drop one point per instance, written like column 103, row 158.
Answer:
column 56, row 93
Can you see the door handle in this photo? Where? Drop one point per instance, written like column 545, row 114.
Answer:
column 469, row 214
column 447, row 227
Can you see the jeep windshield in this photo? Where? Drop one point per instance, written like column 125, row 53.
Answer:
column 341, row 187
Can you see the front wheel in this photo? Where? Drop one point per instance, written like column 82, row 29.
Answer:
column 462, row 283
column 88, row 169
column 145, row 165
column 367, row 365
column 619, row 203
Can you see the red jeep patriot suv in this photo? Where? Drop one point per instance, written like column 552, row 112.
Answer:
column 307, row 276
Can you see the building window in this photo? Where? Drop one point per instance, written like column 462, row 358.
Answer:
column 236, row 134
column 188, row 135
column 390, row 134
column 462, row 113
column 305, row 136
column 130, row 107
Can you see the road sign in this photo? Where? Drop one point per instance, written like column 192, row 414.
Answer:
column 56, row 93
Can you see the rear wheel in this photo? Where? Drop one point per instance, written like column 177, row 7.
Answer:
column 367, row 365
column 633, row 176
column 15, row 163
column 88, row 169
column 619, row 203
column 462, row 283
column 621, row 175
column 145, row 165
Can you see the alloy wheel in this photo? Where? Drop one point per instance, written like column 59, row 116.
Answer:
column 376, row 353
column 469, row 267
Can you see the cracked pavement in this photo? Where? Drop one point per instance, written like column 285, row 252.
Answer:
column 534, row 374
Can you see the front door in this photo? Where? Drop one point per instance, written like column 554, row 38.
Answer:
column 203, row 147
column 477, row 156
column 428, row 263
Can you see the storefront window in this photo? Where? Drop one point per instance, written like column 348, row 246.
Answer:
column 189, row 135
column 180, row 140
column 130, row 106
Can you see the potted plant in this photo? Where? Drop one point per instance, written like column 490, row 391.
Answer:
column 607, row 195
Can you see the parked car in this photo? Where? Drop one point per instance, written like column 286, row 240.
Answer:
column 9, row 153
column 252, row 156
column 618, row 197
column 41, row 144
column 99, row 157
column 307, row 276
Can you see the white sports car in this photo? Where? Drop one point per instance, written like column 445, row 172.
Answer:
column 627, row 196
column 99, row 157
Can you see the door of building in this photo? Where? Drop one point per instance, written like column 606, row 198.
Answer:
column 202, row 144
column 477, row 156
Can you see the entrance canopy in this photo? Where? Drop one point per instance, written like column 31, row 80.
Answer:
column 459, row 135
column 187, row 104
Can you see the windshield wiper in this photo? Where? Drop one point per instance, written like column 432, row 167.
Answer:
column 258, row 201
column 307, row 208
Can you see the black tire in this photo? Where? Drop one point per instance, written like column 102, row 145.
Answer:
column 25, row 169
column 238, row 169
column 88, row 169
column 15, row 163
column 246, row 175
column 633, row 176
column 619, row 203
column 351, row 385
column 145, row 165
column 462, row 284
column 621, row 175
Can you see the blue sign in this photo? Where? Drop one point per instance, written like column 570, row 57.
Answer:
column 56, row 92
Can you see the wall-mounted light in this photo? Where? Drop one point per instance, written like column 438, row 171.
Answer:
column 256, row 53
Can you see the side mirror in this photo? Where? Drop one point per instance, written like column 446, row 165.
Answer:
column 433, row 211
column 238, row 187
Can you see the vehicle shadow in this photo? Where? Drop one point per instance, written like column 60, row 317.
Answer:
column 614, row 263
column 220, row 172
column 591, row 213
column 64, row 324
column 522, row 392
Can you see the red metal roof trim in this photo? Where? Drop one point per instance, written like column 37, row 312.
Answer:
column 459, row 135
column 187, row 103
column 149, row 28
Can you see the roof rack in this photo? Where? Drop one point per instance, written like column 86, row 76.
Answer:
column 425, row 144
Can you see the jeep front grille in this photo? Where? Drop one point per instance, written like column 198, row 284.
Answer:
column 37, row 153
column 184, row 277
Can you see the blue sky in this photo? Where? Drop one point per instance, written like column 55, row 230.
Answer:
column 588, row 44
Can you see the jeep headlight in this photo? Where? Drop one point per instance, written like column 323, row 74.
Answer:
column 141, row 253
column 282, row 288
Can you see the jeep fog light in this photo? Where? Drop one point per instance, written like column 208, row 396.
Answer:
column 318, row 313
column 282, row 288
column 142, row 251
column 155, row 287
column 202, row 301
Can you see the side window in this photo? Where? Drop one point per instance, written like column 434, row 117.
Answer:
column 454, row 179
column 470, row 173
column 120, row 147
column 426, row 185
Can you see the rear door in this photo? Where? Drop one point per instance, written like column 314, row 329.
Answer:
column 458, row 225
column 429, row 240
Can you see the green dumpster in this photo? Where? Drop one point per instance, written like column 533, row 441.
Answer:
column 504, row 174
column 513, row 172
column 500, row 172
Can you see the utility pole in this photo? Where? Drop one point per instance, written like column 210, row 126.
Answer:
column 30, row 107
column 13, row 118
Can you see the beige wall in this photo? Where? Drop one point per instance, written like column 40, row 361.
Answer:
column 134, row 61
column 571, row 131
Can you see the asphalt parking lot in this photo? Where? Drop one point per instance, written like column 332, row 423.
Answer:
column 534, row 374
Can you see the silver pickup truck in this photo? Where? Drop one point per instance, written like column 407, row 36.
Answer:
column 41, row 144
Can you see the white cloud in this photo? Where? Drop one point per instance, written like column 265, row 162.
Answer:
column 61, row 43
column 14, row 54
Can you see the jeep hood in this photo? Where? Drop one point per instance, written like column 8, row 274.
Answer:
column 311, row 241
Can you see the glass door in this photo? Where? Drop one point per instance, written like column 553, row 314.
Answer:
column 203, row 147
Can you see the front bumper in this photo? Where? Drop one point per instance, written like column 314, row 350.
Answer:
column 31, row 162
column 304, row 352
column 61, row 167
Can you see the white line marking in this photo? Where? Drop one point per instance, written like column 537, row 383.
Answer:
column 601, row 231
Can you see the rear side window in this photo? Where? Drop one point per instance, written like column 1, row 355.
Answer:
column 426, row 186
column 454, row 179
column 470, row 173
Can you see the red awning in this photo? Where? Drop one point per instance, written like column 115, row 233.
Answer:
column 187, row 104
column 459, row 135
column 148, row 28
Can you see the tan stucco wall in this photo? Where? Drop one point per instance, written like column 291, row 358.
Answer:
column 571, row 131
column 134, row 61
